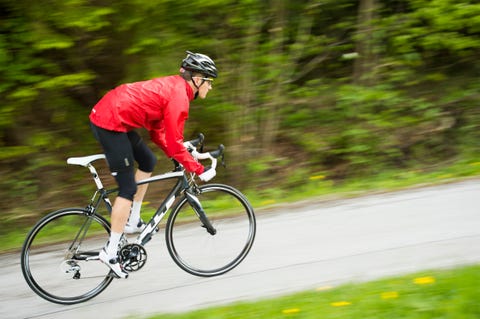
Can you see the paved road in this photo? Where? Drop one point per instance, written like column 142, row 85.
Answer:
column 298, row 247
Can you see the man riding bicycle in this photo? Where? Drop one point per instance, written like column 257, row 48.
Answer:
column 161, row 106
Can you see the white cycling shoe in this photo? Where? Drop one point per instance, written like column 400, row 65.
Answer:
column 113, row 264
column 134, row 229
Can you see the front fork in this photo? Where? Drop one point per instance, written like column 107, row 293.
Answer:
column 197, row 207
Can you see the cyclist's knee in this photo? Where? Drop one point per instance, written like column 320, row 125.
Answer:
column 144, row 156
column 147, row 162
column 127, row 187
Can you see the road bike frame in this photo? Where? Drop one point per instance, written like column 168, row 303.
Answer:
column 182, row 185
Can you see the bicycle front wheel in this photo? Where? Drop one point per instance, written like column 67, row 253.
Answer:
column 204, row 254
column 59, row 257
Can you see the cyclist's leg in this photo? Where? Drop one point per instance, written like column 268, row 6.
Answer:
column 120, row 158
column 142, row 189
column 146, row 160
column 135, row 224
column 119, row 217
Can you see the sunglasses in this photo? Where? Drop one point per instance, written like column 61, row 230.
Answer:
column 209, row 80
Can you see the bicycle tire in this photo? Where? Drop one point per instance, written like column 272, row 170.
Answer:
column 57, row 272
column 200, row 253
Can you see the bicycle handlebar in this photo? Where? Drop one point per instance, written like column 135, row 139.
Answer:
column 218, row 152
column 198, row 141
column 212, row 155
column 193, row 144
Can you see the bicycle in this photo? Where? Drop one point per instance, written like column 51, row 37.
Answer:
column 209, row 231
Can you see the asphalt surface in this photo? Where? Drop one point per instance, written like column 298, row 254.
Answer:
column 298, row 247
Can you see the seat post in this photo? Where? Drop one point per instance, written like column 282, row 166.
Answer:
column 95, row 176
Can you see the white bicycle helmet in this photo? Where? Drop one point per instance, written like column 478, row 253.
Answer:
column 197, row 62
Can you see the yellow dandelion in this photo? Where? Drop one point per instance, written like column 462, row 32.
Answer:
column 324, row 288
column 290, row 311
column 317, row 177
column 424, row 280
column 444, row 176
column 389, row 295
column 268, row 202
column 340, row 304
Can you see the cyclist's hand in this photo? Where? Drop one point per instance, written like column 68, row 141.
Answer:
column 208, row 174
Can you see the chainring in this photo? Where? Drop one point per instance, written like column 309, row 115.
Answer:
column 133, row 257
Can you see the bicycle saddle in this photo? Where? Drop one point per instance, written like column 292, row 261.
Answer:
column 84, row 160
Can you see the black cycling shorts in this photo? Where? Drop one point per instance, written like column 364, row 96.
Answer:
column 122, row 149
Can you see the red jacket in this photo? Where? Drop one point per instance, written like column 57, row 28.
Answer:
column 159, row 105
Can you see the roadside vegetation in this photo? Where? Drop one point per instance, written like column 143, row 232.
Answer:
column 440, row 294
column 313, row 99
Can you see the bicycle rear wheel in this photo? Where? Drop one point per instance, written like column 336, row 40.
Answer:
column 197, row 251
column 59, row 257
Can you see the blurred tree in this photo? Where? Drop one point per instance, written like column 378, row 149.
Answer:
column 339, row 86
column 53, row 60
column 56, row 59
column 365, row 46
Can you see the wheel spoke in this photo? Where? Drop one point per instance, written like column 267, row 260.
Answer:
column 59, row 257
column 201, row 253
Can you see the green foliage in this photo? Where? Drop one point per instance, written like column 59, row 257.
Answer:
column 304, row 86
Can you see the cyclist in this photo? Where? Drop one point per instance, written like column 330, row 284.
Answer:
column 161, row 106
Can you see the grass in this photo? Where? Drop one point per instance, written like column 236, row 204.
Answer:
column 440, row 294
column 319, row 186
column 13, row 239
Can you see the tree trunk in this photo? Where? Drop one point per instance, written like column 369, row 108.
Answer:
column 242, row 127
column 275, row 93
column 366, row 59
